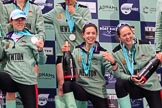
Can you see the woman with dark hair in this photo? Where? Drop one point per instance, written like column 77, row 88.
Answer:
column 92, row 61
column 67, row 19
column 132, row 55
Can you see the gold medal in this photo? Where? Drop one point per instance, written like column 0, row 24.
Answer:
column 72, row 37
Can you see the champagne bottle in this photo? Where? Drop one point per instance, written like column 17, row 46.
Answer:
column 149, row 69
column 68, row 64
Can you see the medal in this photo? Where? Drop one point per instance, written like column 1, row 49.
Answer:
column 72, row 37
column 34, row 40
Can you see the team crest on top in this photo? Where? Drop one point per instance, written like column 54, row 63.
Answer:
column 142, row 55
column 59, row 16
column 7, row 45
column 123, row 61
column 23, row 41
column 79, row 59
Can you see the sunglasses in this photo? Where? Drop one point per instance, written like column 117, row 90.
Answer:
column 120, row 25
column 87, row 23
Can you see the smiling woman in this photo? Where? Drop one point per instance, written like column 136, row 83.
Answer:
column 19, row 55
column 67, row 18
column 132, row 55
column 18, row 20
column 91, row 62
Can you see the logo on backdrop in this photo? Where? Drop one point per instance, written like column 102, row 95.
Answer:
column 147, row 10
column 49, row 49
column 137, row 103
column 45, row 5
column 92, row 5
column 107, row 30
column 46, row 76
column 112, row 100
column 46, row 98
column 129, row 10
column 148, row 31
column 108, row 8
column 110, row 81
column 43, row 99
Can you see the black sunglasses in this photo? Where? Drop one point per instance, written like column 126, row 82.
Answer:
column 87, row 23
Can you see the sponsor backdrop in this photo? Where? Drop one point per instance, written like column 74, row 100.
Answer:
column 106, row 15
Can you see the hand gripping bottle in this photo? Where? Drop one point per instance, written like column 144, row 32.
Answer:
column 69, row 66
column 149, row 69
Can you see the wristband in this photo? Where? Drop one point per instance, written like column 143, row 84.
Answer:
column 130, row 78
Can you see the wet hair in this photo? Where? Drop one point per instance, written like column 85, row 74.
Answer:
column 89, row 24
column 120, row 26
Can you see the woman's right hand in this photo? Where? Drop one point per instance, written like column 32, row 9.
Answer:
column 108, row 56
column 65, row 47
column 135, row 79
column 159, row 56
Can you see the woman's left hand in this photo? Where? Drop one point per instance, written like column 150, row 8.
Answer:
column 135, row 79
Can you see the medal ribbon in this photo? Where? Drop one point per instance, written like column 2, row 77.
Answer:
column 21, row 33
column 86, row 66
column 70, row 19
column 130, row 64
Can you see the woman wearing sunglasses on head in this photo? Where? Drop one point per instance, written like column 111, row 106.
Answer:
column 92, row 61
column 132, row 55
column 67, row 18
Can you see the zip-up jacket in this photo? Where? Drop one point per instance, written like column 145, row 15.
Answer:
column 57, row 17
column 143, row 53
column 93, row 82
column 19, row 58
